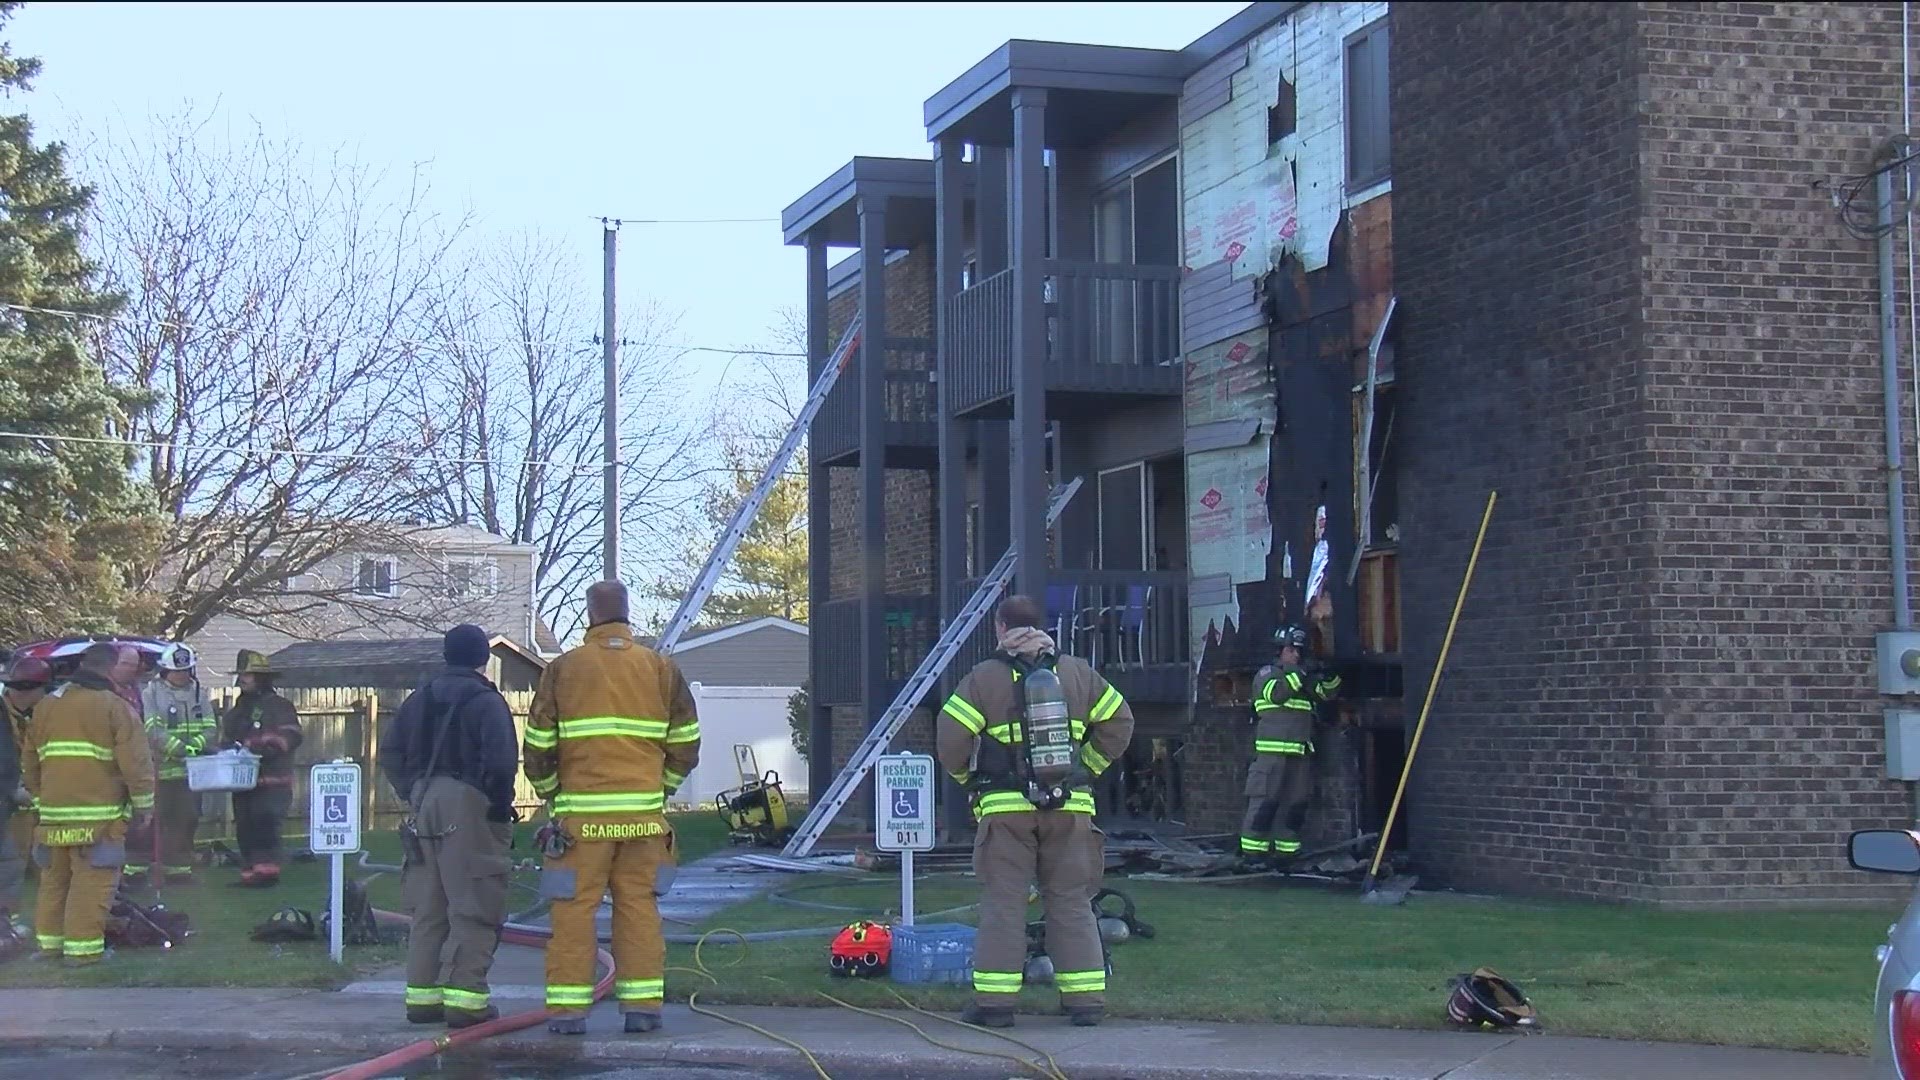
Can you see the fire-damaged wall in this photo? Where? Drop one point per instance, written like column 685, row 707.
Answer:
column 1288, row 273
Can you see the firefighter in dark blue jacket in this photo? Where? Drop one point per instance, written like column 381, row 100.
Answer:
column 451, row 753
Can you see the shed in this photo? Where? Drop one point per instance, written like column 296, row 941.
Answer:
column 767, row 651
column 396, row 664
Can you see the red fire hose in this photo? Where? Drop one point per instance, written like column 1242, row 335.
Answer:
column 426, row 1048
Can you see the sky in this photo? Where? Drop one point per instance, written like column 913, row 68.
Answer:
column 551, row 116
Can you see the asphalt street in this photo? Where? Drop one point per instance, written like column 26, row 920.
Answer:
column 461, row 1065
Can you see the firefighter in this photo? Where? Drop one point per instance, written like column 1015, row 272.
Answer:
column 126, row 676
column 86, row 762
column 1280, row 779
column 265, row 723
column 612, row 733
column 179, row 721
column 990, row 737
column 26, row 686
column 450, row 754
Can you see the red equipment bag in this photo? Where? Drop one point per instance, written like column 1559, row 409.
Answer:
column 863, row 948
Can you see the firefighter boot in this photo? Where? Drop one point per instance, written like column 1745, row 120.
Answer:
column 1087, row 1016
column 987, row 1018
column 567, row 1025
column 466, row 1018
column 641, row 1022
column 426, row 1014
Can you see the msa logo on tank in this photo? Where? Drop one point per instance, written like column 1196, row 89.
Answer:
column 1049, row 738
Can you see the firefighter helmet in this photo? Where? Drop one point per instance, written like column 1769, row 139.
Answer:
column 1294, row 637
column 29, row 671
column 177, row 657
column 1488, row 999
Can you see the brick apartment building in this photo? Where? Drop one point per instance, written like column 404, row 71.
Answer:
column 1291, row 301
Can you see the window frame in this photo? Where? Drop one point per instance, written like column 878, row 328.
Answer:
column 1381, row 27
column 487, row 573
column 393, row 576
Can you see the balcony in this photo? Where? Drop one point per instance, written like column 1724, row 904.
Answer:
column 912, row 436
column 1113, row 337
column 1130, row 624
column 913, row 625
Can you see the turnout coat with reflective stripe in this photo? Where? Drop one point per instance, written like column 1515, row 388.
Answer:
column 86, row 763
column 613, row 731
column 986, row 705
column 1283, row 709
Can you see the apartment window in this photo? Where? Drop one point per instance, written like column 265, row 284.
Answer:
column 1369, row 142
column 377, row 577
column 969, row 274
column 472, row 579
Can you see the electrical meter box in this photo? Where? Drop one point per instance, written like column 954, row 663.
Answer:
column 1899, row 663
column 1903, row 744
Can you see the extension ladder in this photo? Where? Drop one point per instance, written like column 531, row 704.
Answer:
column 828, row 806
column 749, row 508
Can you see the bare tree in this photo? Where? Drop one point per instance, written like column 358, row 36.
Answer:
column 273, row 306
column 517, row 386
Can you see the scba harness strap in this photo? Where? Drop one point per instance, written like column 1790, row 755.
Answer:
column 1042, row 746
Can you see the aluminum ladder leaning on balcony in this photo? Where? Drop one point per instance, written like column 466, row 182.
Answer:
column 826, row 808
column 749, row 509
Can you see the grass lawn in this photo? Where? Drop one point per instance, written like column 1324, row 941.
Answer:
column 1798, row 980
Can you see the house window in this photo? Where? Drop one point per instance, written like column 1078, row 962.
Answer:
column 472, row 579
column 1369, row 142
column 376, row 577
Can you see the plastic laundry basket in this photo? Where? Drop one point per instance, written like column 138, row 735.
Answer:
column 932, row 954
column 228, row 770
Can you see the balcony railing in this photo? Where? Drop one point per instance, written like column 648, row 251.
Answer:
column 1112, row 329
column 912, row 627
column 911, row 407
column 1131, row 624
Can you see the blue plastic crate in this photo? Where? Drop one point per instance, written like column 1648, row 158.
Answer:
column 933, row 954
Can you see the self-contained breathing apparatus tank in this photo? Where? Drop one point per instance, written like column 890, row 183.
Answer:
column 1047, row 734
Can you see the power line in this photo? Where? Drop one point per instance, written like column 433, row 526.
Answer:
column 619, row 221
column 582, row 343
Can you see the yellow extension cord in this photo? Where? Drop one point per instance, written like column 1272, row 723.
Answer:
column 1050, row 1072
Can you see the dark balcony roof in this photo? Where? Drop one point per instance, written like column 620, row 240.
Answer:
column 832, row 211
column 1245, row 23
column 1096, row 89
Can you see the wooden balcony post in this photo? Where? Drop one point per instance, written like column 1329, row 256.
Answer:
column 820, row 720
column 1029, row 494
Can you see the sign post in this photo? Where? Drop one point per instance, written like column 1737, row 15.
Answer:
column 333, row 829
column 903, row 815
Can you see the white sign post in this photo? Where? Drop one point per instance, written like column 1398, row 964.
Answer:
column 333, row 828
column 903, row 815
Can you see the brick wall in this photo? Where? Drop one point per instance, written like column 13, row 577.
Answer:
column 1625, row 308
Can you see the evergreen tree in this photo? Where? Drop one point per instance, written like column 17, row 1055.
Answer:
column 768, row 572
column 70, row 517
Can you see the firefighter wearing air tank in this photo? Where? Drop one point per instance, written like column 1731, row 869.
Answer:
column 180, row 721
column 86, row 763
column 1026, row 732
column 1280, row 780
column 613, row 732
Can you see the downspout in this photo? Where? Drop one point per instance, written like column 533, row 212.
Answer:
column 1890, row 389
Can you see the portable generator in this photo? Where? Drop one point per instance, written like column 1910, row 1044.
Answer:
column 756, row 811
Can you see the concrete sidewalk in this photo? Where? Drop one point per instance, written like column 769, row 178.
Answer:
column 336, row 1026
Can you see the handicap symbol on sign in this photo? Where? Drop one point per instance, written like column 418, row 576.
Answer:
column 906, row 802
column 335, row 809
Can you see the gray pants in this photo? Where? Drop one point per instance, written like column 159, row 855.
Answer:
column 457, row 895
column 13, row 864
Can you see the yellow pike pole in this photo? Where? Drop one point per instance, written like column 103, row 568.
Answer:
column 1433, row 684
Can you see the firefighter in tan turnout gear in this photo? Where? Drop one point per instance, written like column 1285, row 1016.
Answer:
column 85, row 760
column 1026, row 732
column 613, row 732
column 180, row 720
column 1280, row 779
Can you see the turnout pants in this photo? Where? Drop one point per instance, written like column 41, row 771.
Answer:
column 258, row 816
column 75, row 893
column 176, row 813
column 456, row 893
column 1062, row 851
column 13, row 861
column 575, row 882
column 1279, row 788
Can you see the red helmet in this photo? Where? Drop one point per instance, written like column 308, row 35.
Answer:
column 1487, row 999
column 29, row 669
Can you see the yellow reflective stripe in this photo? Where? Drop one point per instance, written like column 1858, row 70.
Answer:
column 1095, row 761
column 1265, row 706
column 997, row 982
column 1297, row 703
column 674, row 779
column 1079, row 802
column 49, row 942
column 1248, row 843
column 1279, row 746
column 88, row 947
column 684, row 733
column 639, row 989
column 465, row 999
column 143, row 802
column 964, row 713
column 1286, row 847
column 589, row 727
column 63, row 814
column 1106, row 707
column 542, row 738
column 423, row 995
column 76, row 749
column 1005, row 733
column 962, row 777
column 637, row 802
column 1080, row 982
column 568, row 996
column 1002, row 802
column 1293, row 679
column 545, row 785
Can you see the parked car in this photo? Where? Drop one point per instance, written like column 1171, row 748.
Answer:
column 64, row 653
column 1896, row 1002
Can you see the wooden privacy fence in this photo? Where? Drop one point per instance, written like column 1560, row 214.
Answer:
column 346, row 722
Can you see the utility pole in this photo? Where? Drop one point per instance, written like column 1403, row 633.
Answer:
column 610, row 408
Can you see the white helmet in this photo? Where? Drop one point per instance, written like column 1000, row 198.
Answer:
column 177, row 657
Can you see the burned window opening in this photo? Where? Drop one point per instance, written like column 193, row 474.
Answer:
column 1281, row 117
